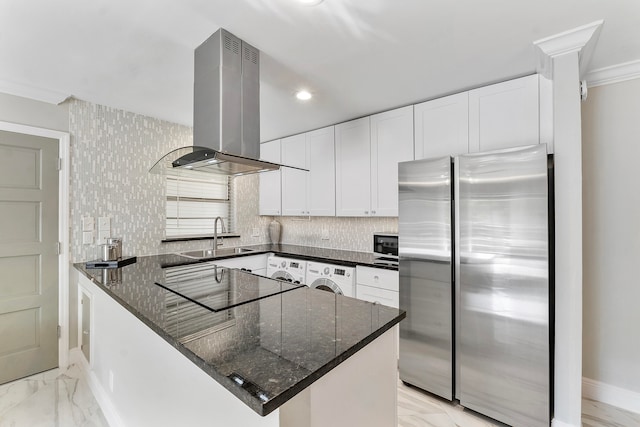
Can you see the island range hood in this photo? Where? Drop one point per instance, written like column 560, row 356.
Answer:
column 226, row 112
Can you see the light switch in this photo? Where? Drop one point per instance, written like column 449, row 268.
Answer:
column 88, row 223
column 104, row 223
column 103, row 235
column 87, row 237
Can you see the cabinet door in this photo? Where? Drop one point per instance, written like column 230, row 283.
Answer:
column 442, row 127
column 270, row 181
column 321, row 182
column 294, row 181
column 504, row 115
column 353, row 168
column 391, row 142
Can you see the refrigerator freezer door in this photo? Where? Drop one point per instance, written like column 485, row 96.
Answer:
column 503, row 342
column 424, row 225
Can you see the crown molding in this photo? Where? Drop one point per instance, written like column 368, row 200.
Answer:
column 31, row 92
column 614, row 74
column 581, row 40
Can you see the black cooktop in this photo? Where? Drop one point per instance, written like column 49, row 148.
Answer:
column 218, row 288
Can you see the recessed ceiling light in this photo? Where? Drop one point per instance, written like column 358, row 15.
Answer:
column 303, row 95
column 310, row 2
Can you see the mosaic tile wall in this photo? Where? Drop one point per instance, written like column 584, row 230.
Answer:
column 111, row 153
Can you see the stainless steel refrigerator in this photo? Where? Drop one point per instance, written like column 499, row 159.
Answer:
column 474, row 248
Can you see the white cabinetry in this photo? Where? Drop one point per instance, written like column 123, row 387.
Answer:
column 353, row 168
column 270, row 192
column 391, row 143
column 294, row 181
column 378, row 285
column 504, row 115
column 256, row 264
column 442, row 127
column 321, row 185
column 309, row 193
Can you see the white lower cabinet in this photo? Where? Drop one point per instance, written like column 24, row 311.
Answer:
column 252, row 263
column 378, row 285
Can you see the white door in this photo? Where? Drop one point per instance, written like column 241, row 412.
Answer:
column 28, row 255
column 504, row 115
column 391, row 142
column 270, row 181
column 321, row 183
column 294, row 181
column 353, row 168
column 442, row 127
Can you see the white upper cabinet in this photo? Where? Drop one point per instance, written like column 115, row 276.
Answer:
column 442, row 127
column 353, row 168
column 294, row 181
column 391, row 143
column 270, row 181
column 321, row 183
column 504, row 115
column 309, row 193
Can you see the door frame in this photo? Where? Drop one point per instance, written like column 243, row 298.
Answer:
column 63, row 228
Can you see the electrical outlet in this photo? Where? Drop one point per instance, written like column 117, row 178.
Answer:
column 111, row 380
column 325, row 234
column 88, row 223
column 255, row 232
column 104, row 223
column 87, row 237
column 103, row 235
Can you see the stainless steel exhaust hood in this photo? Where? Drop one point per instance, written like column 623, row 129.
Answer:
column 226, row 112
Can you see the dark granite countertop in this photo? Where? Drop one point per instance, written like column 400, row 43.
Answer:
column 275, row 340
column 309, row 253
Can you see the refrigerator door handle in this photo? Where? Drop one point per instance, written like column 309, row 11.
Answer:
column 456, row 275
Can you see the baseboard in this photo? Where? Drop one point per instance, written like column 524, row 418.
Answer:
column 558, row 423
column 109, row 411
column 611, row 395
column 614, row 74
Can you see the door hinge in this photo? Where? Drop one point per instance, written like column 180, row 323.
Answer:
column 59, row 332
column 59, row 165
column 59, row 248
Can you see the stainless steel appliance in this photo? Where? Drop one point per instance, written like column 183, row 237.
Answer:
column 385, row 249
column 226, row 112
column 490, row 272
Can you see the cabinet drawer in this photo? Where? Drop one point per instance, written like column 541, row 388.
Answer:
column 382, row 296
column 378, row 277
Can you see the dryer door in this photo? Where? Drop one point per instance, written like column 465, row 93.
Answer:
column 282, row 275
column 324, row 284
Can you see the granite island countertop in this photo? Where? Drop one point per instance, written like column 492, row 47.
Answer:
column 264, row 340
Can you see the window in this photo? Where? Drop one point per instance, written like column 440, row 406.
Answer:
column 194, row 202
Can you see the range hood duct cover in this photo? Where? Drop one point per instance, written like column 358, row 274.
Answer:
column 226, row 112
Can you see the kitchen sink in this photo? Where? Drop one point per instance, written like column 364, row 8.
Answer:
column 210, row 253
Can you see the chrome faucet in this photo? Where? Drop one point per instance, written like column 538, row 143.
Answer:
column 215, row 233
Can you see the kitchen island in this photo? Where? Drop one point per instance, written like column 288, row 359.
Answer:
column 196, row 344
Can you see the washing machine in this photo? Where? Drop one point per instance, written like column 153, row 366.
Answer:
column 291, row 270
column 333, row 278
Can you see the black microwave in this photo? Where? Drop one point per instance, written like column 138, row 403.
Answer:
column 385, row 245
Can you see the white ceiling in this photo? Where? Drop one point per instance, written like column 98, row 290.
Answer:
column 356, row 56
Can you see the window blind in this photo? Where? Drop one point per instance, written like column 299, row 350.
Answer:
column 193, row 203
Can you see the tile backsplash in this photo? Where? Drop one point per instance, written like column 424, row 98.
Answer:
column 111, row 154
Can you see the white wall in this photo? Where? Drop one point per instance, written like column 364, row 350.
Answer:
column 611, row 234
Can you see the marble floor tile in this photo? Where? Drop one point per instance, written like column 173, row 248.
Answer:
column 50, row 399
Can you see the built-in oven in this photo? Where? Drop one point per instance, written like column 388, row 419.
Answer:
column 385, row 248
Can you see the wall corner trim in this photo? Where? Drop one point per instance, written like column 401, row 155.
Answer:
column 582, row 39
column 32, row 92
column 614, row 74
column 612, row 395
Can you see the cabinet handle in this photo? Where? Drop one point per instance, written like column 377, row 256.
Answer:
column 373, row 212
column 366, row 212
